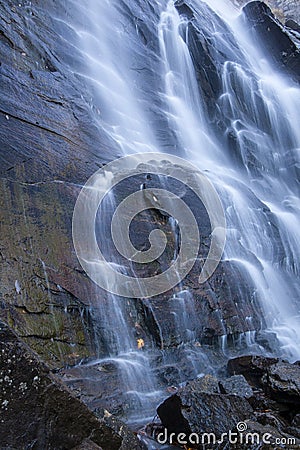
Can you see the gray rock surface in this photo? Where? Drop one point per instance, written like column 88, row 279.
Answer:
column 283, row 9
column 237, row 385
column 195, row 410
column 52, row 140
column 49, row 147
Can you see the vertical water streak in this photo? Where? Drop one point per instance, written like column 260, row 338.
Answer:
column 107, row 46
column 186, row 114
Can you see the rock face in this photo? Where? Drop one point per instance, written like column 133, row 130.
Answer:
column 209, row 53
column 236, row 385
column 202, row 411
column 51, row 142
column 290, row 8
column 52, row 139
column 275, row 39
column 253, row 400
column 282, row 382
column 42, row 412
column 49, row 146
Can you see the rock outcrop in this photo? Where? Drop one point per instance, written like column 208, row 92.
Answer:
column 52, row 140
column 278, row 379
column 284, row 10
column 275, row 39
column 49, row 147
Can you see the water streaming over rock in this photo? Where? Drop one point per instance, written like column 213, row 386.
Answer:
column 258, row 182
column 190, row 79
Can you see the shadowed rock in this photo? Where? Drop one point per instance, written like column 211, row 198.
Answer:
column 274, row 37
column 208, row 407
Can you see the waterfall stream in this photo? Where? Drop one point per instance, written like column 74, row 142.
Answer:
column 148, row 98
column 250, row 97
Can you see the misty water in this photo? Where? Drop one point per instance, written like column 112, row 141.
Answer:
column 146, row 97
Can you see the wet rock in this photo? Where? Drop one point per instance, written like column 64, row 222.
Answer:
column 278, row 379
column 51, row 143
column 194, row 410
column 267, row 340
column 49, row 147
column 129, row 439
column 236, row 385
column 296, row 421
column 206, row 52
column 276, row 386
column 218, row 405
column 98, row 385
column 251, row 366
column 54, row 309
column 42, row 412
column 87, row 444
column 282, row 9
column 275, row 38
column 207, row 383
column 266, row 437
column 282, row 382
column 184, row 9
column 171, row 416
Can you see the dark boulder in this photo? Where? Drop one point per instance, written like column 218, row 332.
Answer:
column 251, row 418
column 274, row 37
column 194, row 410
column 184, row 9
column 98, row 385
column 251, row 366
column 293, row 25
column 282, row 382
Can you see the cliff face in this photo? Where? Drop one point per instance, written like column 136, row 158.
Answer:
column 49, row 146
column 52, row 141
column 290, row 8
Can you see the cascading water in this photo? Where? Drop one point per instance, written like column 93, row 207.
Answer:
column 256, row 180
column 107, row 49
column 261, row 198
column 121, row 117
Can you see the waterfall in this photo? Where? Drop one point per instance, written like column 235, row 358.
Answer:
column 148, row 98
column 261, row 199
column 106, row 47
